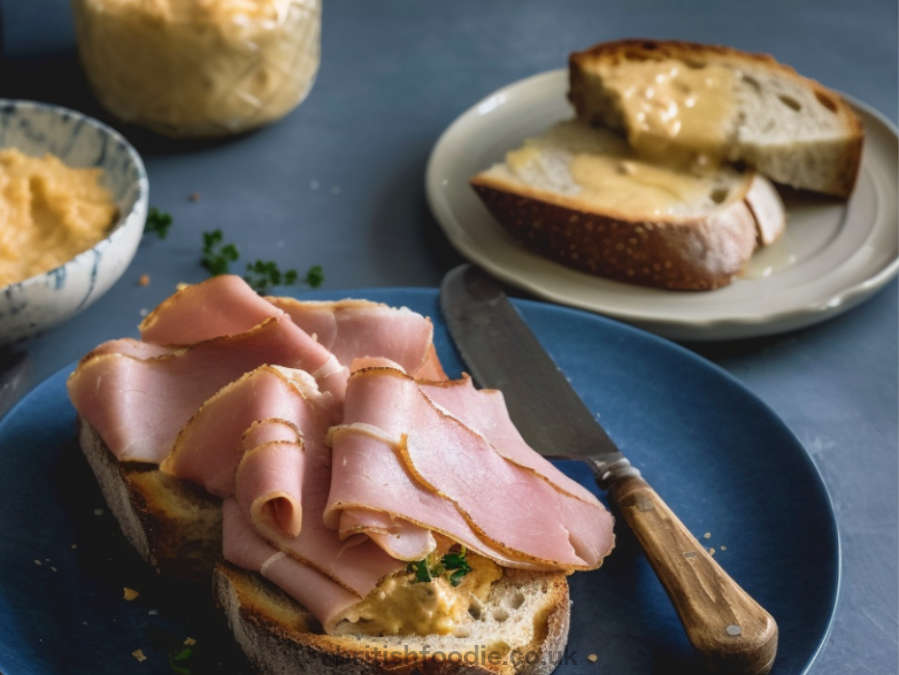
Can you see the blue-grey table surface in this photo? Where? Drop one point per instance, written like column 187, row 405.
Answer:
column 394, row 74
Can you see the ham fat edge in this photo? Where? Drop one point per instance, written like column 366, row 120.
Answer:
column 339, row 448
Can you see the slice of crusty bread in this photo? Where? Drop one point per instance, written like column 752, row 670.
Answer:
column 791, row 128
column 698, row 244
column 521, row 628
column 176, row 527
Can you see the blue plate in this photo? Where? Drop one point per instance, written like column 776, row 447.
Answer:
column 723, row 461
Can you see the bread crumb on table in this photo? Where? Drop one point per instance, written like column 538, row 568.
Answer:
column 723, row 547
column 129, row 594
column 144, row 280
column 189, row 641
column 38, row 562
column 98, row 512
column 592, row 658
column 139, row 655
column 707, row 535
column 711, row 550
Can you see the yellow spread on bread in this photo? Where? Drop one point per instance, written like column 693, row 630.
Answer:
column 49, row 213
column 614, row 178
column 402, row 605
column 673, row 103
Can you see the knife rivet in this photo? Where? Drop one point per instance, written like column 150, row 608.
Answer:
column 733, row 630
column 644, row 504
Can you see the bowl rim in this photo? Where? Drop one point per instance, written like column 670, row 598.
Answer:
column 143, row 183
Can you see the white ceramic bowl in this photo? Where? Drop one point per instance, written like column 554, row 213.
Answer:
column 41, row 301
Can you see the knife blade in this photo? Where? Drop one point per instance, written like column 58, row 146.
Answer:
column 502, row 353
column 724, row 623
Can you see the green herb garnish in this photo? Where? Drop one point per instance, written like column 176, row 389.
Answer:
column 265, row 273
column 216, row 255
column 421, row 570
column 453, row 562
column 180, row 662
column 158, row 222
column 458, row 564
column 315, row 276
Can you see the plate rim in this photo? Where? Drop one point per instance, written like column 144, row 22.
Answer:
column 699, row 329
column 660, row 342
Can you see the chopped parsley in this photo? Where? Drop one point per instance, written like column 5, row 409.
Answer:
column 261, row 275
column 217, row 256
column 265, row 273
column 180, row 661
column 158, row 222
column 454, row 563
column 459, row 566
column 315, row 276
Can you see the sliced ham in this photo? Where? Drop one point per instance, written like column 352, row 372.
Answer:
column 243, row 547
column 484, row 410
column 221, row 305
column 138, row 405
column 534, row 522
column 352, row 329
column 399, row 538
column 266, row 404
column 283, row 479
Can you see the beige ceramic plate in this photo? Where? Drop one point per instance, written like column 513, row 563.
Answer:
column 833, row 255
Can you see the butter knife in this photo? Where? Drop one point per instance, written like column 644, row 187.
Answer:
column 732, row 632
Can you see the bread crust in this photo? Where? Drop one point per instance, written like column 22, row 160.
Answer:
column 695, row 254
column 174, row 526
column 582, row 92
column 254, row 610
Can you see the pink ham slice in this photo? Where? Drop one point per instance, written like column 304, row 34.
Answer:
column 534, row 522
column 221, row 305
column 485, row 411
column 138, row 404
column 263, row 407
column 357, row 328
column 243, row 547
column 399, row 538
column 216, row 450
column 226, row 305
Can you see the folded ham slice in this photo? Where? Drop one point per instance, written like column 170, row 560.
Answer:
column 261, row 439
column 353, row 329
column 243, row 547
column 451, row 472
column 139, row 402
column 349, row 329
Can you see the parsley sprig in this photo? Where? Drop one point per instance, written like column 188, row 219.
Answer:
column 261, row 275
column 454, row 564
column 180, row 661
column 158, row 222
column 217, row 256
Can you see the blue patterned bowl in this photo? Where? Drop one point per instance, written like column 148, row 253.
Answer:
column 32, row 305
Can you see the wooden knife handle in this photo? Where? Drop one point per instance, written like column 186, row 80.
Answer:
column 731, row 630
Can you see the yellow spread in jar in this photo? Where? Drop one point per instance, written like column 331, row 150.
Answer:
column 49, row 213
column 671, row 103
column 199, row 67
column 401, row 605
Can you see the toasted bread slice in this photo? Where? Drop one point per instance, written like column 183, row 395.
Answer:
column 522, row 627
column 790, row 128
column 579, row 195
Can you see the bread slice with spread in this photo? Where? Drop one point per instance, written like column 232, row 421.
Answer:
column 339, row 509
column 681, row 97
column 581, row 196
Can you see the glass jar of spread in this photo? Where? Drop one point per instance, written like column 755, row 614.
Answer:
column 192, row 68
